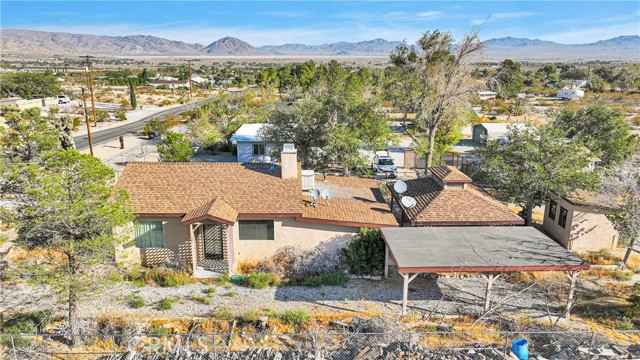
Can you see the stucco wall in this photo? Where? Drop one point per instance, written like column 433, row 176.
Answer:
column 288, row 232
column 586, row 229
column 176, row 243
column 245, row 152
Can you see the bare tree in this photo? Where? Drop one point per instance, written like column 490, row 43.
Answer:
column 431, row 81
column 622, row 186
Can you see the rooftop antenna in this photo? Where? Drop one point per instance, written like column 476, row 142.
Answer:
column 315, row 194
column 326, row 195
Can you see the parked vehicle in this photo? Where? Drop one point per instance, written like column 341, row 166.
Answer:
column 383, row 165
column 63, row 99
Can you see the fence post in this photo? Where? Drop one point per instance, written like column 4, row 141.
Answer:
column 314, row 337
column 113, row 342
column 13, row 346
column 592, row 341
column 215, row 351
column 506, row 345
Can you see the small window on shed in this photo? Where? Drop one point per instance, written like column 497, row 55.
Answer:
column 562, row 220
column 258, row 149
column 553, row 206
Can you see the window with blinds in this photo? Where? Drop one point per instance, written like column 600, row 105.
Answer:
column 256, row 230
column 149, row 234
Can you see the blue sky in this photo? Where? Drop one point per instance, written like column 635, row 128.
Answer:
column 274, row 23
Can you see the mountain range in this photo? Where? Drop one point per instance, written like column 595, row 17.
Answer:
column 16, row 41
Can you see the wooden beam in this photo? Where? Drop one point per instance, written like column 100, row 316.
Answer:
column 386, row 261
column 405, row 292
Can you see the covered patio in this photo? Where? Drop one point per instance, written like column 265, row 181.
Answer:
column 490, row 251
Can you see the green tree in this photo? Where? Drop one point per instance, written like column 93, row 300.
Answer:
column 28, row 85
column 67, row 203
column 447, row 135
column 533, row 163
column 432, row 83
column 604, row 131
column 27, row 135
column 508, row 79
column 205, row 134
column 175, row 148
column 132, row 96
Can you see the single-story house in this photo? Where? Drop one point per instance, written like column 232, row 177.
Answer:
column 570, row 94
column 579, row 221
column 171, row 84
column 448, row 197
column 199, row 79
column 210, row 216
column 486, row 131
column 487, row 95
column 251, row 147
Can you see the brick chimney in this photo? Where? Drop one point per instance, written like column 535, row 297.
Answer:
column 289, row 161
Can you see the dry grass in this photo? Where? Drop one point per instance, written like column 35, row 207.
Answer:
column 602, row 257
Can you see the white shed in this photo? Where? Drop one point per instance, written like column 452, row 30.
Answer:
column 251, row 147
column 570, row 94
column 485, row 131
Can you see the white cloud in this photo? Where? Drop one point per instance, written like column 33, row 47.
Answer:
column 478, row 21
column 429, row 14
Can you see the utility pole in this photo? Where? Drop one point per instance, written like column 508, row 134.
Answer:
column 86, row 120
column 190, row 82
column 90, row 84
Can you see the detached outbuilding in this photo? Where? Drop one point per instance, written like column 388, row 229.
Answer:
column 570, row 94
column 492, row 131
column 580, row 222
column 250, row 144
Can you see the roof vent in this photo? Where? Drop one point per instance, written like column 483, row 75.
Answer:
column 308, row 180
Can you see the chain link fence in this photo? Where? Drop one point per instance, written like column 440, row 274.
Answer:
column 325, row 346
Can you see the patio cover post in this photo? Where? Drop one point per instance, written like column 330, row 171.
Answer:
column 405, row 290
column 491, row 277
column 572, row 276
column 194, row 252
column 386, row 261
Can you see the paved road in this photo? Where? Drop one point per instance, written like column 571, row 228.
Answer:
column 82, row 141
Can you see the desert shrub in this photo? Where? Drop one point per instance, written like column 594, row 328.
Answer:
column 224, row 279
column 122, row 116
column 602, row 257
column 209, row 291
column 623, row 275
column 136, row 302
column 634, row 311
column 289, row 261
column 335, row 277
column 249, row 316
column 291, row 317
column 366, row 252
column 200, row 299
column 167, row 277
column 636, row 120
column 260, row 280
column 102, row 116
column 76, row 122
column 158, row 330
column 164, row 304
column 224, row 313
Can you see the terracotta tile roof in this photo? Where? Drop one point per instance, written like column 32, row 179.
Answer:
column 215, row 209
column 454, row 206
column 178, row 188
column 449, row 174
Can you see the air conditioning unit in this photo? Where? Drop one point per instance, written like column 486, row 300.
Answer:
column 308, row 180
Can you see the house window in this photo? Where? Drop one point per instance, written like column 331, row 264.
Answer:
column 149, row 234
column 256, row 230
column 553, row 206
column 258, row 149
column 562, row 220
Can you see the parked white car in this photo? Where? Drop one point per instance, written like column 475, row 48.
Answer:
column 63, row 99
column 383, row 165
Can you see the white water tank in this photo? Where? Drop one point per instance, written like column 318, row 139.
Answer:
column 308, row 180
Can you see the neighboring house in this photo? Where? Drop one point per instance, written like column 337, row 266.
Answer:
column 579, row 84
column 570, row 94
column 492, row 131
column 448, row 197
column 199, row 80
column 579, row 222
column 213, row 215
column 171, row 84
column 251, row 147
column 487, row 95
column 24, row 104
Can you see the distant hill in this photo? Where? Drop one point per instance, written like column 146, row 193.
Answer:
column 233, row 46
column 623, row 48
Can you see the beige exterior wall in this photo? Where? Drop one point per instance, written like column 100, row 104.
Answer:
column 289, row 232
column 177, row 242
column 586, row 229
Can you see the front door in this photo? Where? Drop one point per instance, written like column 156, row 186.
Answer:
column 212, row 239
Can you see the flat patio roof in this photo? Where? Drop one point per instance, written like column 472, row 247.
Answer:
column 477, row 249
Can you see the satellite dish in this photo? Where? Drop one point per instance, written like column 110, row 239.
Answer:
column 408, row 202
column 315, row 194
column 400, row 187
column 326, row 195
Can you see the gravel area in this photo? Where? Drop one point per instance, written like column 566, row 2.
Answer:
column 444, row 296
